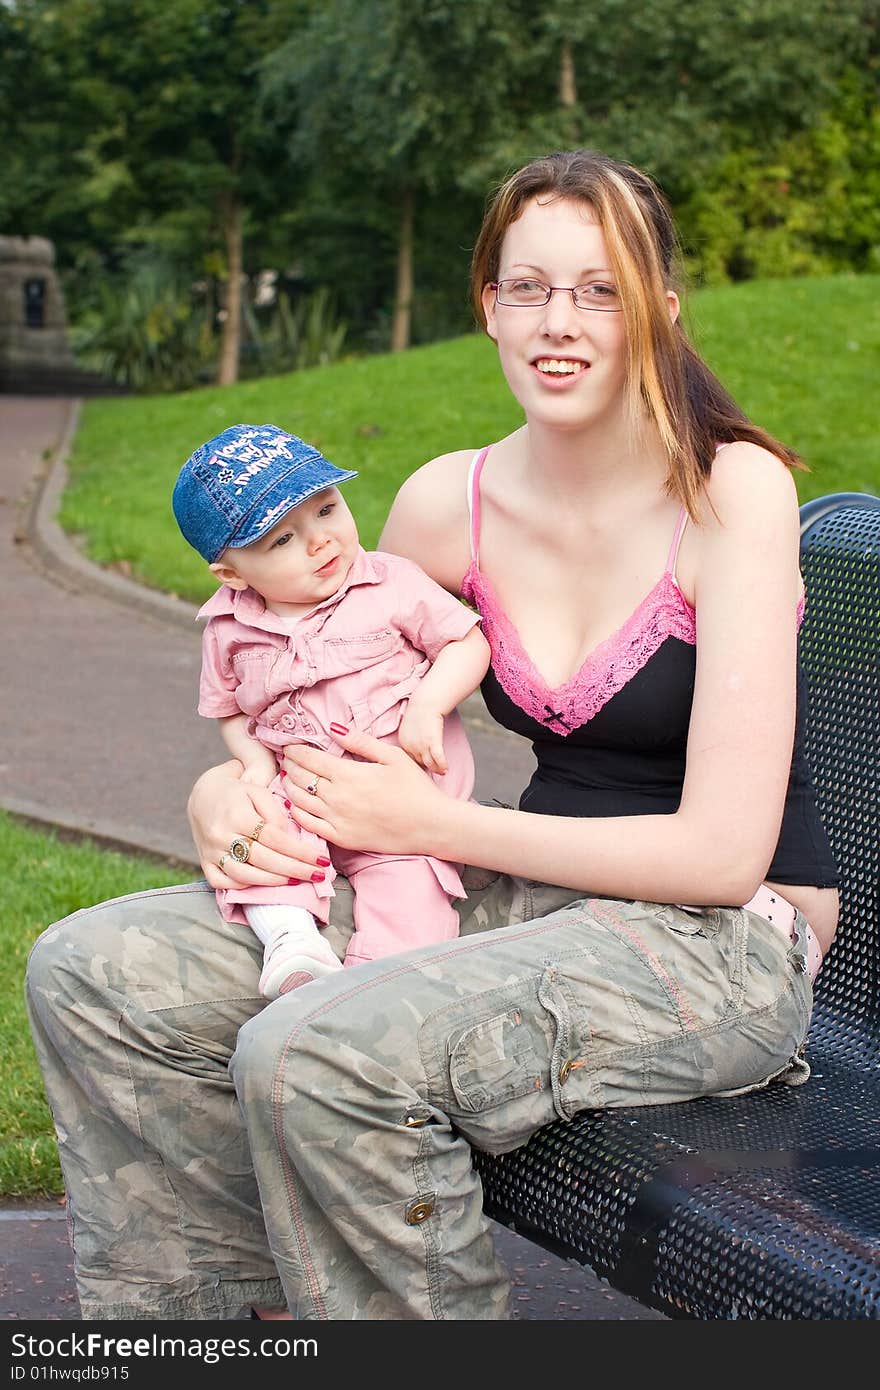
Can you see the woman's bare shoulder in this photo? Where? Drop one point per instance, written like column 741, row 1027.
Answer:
column 749, row 486
column 428, row 521
column 440, row 480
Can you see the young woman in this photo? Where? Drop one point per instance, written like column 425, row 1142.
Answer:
column 633, row 551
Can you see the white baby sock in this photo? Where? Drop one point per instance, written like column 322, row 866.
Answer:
column 266, row 920
column 295, row 952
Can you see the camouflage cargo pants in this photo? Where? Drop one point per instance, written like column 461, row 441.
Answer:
column 211, row 1144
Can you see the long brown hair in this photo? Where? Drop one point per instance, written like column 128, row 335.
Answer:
column 666, row 374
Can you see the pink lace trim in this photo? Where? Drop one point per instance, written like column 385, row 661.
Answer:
column 664, row 612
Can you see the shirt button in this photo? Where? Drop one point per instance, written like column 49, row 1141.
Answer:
column 417, row 1212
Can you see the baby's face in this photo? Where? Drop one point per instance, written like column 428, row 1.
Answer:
column 304, row 558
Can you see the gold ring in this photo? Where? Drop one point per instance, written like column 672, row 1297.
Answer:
column 221, row 861
column 258, row 830
column 312, row 787
column 240, row 849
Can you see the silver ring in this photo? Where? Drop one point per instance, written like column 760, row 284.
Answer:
column 312, row 787
column 240, row 849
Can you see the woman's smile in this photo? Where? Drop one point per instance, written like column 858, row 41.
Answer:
column 560, row 372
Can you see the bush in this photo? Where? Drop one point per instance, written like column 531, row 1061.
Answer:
column 305, row 335
column 810, row 206
column 146, row 331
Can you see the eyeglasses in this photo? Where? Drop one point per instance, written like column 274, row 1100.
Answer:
column 532, row 294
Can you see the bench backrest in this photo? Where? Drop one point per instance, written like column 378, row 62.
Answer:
column 840, row 652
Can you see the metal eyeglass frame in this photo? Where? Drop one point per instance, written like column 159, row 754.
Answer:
column 551, row 290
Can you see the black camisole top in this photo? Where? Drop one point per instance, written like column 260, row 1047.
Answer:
column 612, row 741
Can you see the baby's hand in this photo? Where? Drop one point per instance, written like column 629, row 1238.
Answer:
column 421, row 736
column 261, row 769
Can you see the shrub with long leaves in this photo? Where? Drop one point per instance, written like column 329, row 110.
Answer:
column 147, row 331
column 294, row 336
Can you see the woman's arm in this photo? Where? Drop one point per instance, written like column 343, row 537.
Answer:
column 717, row 846
column 428, row 521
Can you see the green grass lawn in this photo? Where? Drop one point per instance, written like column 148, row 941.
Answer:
column 45, row 879
column 802, row 357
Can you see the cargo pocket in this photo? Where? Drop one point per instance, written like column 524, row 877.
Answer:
column 495, row 1061
column 689, row 921
column 506, row 1070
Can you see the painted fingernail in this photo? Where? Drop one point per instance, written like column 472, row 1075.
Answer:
column 294, row 882
column 338, row 729
column 317, row 878
column 325, row 863
column 287, row 805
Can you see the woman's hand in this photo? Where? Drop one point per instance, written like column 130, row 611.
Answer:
column 221, row 806
column 376, row 799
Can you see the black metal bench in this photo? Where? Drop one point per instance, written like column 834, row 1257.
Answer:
column 765, row 1206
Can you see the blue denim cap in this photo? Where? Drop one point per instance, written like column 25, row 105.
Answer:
column 242, row 482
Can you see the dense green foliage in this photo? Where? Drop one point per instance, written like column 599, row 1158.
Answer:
column 348, row 145
column 818, row 343
column 45, row 881
column 811, row 207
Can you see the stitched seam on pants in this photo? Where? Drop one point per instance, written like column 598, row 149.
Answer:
column 702, row 1030
column 287, row 1169
column 289, row 1183
column 432, row 1262
column 200, row 1003
column 169, row 1184
column 698, row 1028
column 200, row 886
column 687, row 1018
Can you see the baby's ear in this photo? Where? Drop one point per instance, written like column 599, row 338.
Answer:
column 227, row 575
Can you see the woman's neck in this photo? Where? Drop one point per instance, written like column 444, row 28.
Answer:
column 592, row 462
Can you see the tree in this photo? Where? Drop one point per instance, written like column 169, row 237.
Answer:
column 676, row 87
column 230, row 135
column 198, row 131
column 396, row 97
column 162, row 119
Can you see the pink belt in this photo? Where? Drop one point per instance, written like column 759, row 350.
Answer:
column 773, row 908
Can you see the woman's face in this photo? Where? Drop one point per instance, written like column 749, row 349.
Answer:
column 565, row 365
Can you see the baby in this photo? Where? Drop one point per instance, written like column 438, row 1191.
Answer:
column 309, row 630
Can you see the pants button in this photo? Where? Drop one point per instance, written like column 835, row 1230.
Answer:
column 565, row 1071
column 417, row 1212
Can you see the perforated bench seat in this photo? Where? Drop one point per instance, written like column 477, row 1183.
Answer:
column 768, row 1205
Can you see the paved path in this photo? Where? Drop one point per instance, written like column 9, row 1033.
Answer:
column 101, row 736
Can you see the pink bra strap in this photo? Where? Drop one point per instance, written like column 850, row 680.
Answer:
column 672, row 559
column 676, row 541
column 476, row 469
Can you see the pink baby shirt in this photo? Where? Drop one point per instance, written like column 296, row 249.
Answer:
column 355, row 660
